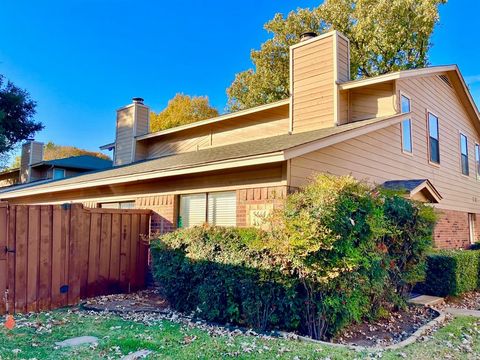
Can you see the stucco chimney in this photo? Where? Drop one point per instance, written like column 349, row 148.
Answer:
column 132, row 121
column 317, row 65
column 32, row 153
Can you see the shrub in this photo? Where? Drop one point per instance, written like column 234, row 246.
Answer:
column 338, row 252
column 452, row 272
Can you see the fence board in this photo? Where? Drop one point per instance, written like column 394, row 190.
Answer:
column 60, row 254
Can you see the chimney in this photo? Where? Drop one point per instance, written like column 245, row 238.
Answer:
column 132, row 121
column 317, row 65
column 32, row 153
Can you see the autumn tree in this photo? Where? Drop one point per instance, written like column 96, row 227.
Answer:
column 181, row 110
column 385, row 36
column 16, row 117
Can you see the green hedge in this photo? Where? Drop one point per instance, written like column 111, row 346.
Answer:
column 452, row 272
column 338, row 252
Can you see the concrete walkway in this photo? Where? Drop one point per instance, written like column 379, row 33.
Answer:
column 461, row 312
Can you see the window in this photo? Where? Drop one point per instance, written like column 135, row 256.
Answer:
column 58, row 174
column 477, row 161
column 433, row 143
column 118, row 205
column 218, row 208
column 471, row 227
column 406, row 126
column 464, row 154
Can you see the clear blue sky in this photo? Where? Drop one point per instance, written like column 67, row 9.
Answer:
column 83, row 59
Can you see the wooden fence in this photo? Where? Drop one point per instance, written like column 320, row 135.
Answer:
column 53, row 255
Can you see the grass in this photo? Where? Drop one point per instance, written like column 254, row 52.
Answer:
column 35, row 337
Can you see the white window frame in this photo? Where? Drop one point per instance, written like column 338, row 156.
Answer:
column 428, row 113
column 461, row 134
column 409, row 119
column 477, row 160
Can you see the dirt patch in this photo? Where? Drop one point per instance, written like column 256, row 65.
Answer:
column 142, row 301
column 394, row 329
column 470, row 301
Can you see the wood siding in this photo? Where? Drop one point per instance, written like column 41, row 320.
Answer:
column 378, row 156
column 312, row 73
column 124, row 136
column 263, row 124
column 372, row 101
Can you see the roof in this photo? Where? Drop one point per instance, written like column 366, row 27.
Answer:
column 214, row 120
column 414, row 187
column 261, row 151
column 83, row 162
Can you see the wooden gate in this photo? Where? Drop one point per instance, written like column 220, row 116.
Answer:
column 53, row 255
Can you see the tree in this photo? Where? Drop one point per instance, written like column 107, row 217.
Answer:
column 181, row 110
column 16, row 116
column 385, row 36
column 53, row 151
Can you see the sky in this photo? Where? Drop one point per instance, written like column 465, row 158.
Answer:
column 83, row 59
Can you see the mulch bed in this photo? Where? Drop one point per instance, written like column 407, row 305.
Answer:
column 394, row 329
column 397, row 327
column 470, row 301
column 142, row 301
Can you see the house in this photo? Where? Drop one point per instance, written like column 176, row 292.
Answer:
column 417, row 130
column 34, row 169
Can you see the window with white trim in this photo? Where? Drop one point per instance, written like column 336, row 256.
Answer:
column 216, row 208
column 433, row 139
column 406, row 126
column 464, row 154
column 118, row 205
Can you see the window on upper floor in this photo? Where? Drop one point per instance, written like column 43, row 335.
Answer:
column 406, row 126
column 217, row 208
column 464, row 154
column 433, row 139
column 477, row 161
column 58, row 174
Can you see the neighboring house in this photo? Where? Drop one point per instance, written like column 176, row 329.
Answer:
column 417, row 130
column 34, row 169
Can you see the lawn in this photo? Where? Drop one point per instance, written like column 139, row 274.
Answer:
column 35, row 337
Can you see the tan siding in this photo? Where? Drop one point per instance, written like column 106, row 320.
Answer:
column 343, row 60
column 249, row 127
column 142, row 122
column 377, row 156
column 123, row 149
column 372, row 101
column 313, row 85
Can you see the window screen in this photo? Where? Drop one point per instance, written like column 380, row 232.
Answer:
column 464, row 154
column 406, row 126
column 193, row 210
column 477, row 160
column 433, row 136
column 222, row 208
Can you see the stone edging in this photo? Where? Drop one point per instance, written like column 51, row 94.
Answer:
column 410, row 340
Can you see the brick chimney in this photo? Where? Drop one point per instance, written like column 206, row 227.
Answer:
column 317, row 64
column 132, row 121
column 32, row 153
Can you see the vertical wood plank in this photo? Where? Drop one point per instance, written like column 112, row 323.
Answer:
column 11, row 257
column 84, row 253
column 94, row 253
column 33, row 252
column 21, row 251
column 45, row 276
column 3, row 256
column 143, row 250
column 114, row 276
column 57, row 261
column 105, row 239
column 125, row 251
column 65, row 250
column 74, row 254
column 135, row 227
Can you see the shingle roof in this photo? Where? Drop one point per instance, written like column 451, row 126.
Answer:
column 407, row 185
column 84, row 162
column 206, row 156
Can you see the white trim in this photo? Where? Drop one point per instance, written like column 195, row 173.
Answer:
column 215, row 119
column 336, row 103
column 396, row 75
column 219, row 165
column 291, row 97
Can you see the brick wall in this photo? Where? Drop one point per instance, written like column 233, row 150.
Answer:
column 452, row 230
column 252, row 202
column 164, row 209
